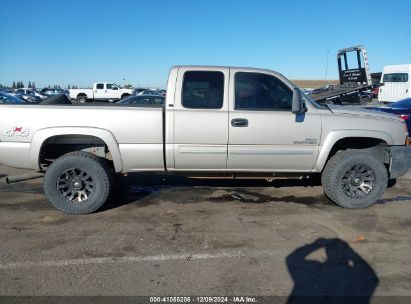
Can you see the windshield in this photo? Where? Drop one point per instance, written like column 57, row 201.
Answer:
column 6, row 98
column 153, row 101
column 395, row 77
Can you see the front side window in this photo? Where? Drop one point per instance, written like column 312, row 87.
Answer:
column 100, row 86
column 256, row 91
column 109, row 86
column 203, row 90
column 395, row 77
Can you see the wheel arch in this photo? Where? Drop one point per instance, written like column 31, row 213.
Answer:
column 42, row 137
column 340, row 140
column 81, row 94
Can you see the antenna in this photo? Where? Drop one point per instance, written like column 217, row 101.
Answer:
column 326, row 67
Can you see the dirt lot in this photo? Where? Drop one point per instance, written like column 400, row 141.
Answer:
column 173, row 236
column 305, row 83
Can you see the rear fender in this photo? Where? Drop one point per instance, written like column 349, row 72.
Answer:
column 40, row 137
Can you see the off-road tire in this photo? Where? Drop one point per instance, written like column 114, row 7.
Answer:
column 96, row 167
column 81, row 99
column 125, row 96
column 334, row 176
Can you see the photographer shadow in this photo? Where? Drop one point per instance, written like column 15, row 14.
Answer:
column 343, row 277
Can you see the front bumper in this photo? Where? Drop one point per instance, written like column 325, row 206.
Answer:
column 400, row 160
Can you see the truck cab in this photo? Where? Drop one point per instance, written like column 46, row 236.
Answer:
column 241, row 119
column 106, row 90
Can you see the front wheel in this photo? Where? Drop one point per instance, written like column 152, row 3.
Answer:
column 78, row 183
column 354, row 178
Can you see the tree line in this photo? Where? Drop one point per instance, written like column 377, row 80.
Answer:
column 19, row 85
column 32, row 85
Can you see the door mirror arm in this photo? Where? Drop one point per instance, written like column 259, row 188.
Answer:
column 298, row 104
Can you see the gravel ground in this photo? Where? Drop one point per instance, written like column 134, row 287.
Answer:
column 164, row 235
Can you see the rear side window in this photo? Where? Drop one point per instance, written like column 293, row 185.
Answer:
column 256, row 91
column 395, row 77
column 203, row 90
column 100, row 86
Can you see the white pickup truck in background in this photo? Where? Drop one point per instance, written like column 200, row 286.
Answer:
column 101, row 91
column 395, row 83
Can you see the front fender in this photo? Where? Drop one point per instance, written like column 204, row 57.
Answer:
column 40, row 137
column 335, row 136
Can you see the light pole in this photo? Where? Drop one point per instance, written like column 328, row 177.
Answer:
column 124, row 82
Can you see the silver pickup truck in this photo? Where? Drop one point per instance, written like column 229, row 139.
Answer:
column 226, row 121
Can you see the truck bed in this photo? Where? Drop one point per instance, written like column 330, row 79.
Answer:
column 136, row 130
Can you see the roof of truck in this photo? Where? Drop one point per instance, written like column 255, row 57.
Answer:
column 245, row 69
column 397, row 68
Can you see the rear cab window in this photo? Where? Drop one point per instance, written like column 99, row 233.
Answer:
column 203, row 90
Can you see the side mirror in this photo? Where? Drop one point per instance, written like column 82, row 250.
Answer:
column 298, row 105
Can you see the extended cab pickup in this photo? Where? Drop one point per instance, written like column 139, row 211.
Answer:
column 216, row 121
column 100, row 91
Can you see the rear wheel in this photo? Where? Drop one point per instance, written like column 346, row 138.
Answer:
column 78, row 183
column 81, row 98
column 125, row 96
column 354, row 178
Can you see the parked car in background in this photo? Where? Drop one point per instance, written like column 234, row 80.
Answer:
column 29, row 95
column 138, row 90
column 395, row 83
column 9, row 99
column 8, row 91
column 101, row 91
column 48, row 92
column 400, row 108
column 144, row 100
column 150, row 92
